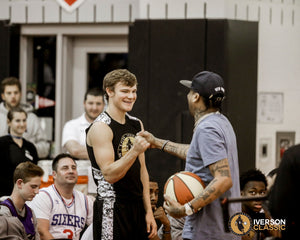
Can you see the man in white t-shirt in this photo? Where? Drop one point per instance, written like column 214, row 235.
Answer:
column 61, row 211
column 73, row 136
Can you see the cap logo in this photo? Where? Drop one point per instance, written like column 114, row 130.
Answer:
column 218, row 89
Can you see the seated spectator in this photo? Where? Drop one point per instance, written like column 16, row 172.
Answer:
column 74, row 136
column 62, row 211
column 254, row 183
column 11, row 95
column 12, row 229
column 27, row 180
column 14, row 148
column 171, row 228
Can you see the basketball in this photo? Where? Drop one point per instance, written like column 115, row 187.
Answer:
column 183, row 186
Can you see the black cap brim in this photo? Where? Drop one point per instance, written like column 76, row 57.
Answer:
column 186, row 83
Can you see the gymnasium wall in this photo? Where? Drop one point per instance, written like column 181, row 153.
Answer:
column 161, row 52
column 278, row 48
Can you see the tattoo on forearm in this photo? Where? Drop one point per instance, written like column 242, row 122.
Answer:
column 206, row 194
column 209, row 190
column 179, row 150
column 212, row 191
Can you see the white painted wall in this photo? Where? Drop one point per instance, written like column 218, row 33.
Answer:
column 279, row 38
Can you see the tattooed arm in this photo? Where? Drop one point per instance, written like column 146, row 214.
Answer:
column 220, row 184
column 177, row 149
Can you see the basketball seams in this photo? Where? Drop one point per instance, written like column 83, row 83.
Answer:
column 170, row 189
column 194, row 176
column 181, row 186
column 182, row 182
column 182, row 198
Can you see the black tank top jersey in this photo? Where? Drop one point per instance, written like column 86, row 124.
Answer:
column 130, row 186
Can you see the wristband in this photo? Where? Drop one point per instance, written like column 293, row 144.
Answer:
column 188, row 209
column 163, row 146
column 189, row 203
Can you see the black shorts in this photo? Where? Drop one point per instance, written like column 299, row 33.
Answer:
column 119, row 220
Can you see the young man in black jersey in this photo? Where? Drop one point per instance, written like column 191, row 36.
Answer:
column 122, row 209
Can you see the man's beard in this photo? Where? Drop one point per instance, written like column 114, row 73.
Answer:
column 9, row 106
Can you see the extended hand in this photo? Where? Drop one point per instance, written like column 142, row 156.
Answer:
column 140, row 145
column 174, row 208
column 149, row 138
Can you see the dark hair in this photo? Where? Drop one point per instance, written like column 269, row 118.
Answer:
column 94, row 92
column 214, row 101
column 60, row 156
column 116, row 76
column 26, row 171
column 10, row 81
column 252, row 175
column 151, row 178
column 273, row 172
column 10, row 114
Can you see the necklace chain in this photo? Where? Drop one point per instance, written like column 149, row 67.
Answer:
column 202, row 118
column 66, row 206
column 13, row 136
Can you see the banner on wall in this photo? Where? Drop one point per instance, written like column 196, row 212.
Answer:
column 42, row 102
column 70, row 5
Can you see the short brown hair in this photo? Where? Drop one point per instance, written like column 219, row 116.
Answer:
column 10, row 114
column 119, row 75
column 10, row 81
column 96, row 92
column 26, row 171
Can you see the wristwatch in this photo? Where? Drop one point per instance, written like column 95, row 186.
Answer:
column 188, row 209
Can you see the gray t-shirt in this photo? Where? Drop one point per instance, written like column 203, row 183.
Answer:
column 213, row 140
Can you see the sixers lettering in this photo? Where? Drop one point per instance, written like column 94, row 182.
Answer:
column 63, row 215
column 68, row 220
column 62, row 211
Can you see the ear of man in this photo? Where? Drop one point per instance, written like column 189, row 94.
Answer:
column 19, row 183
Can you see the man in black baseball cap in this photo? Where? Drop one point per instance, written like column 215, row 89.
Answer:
column 206, row 83
column 210, row 86
column 212, row 155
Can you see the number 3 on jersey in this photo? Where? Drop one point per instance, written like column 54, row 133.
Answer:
column 69, row 232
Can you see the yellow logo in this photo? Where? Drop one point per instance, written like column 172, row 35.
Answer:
column 240, row 224
column 126, row 143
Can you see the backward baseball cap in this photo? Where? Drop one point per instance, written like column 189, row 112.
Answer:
column 207, row 84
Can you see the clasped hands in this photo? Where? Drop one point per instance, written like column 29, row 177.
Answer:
column 172, row 207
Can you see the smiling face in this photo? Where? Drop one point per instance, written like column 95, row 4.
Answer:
column 122, row 97
column 18, row 124
column 251, row 189
column 66, row 173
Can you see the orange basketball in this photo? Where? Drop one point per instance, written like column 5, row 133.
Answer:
column 184, row 186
